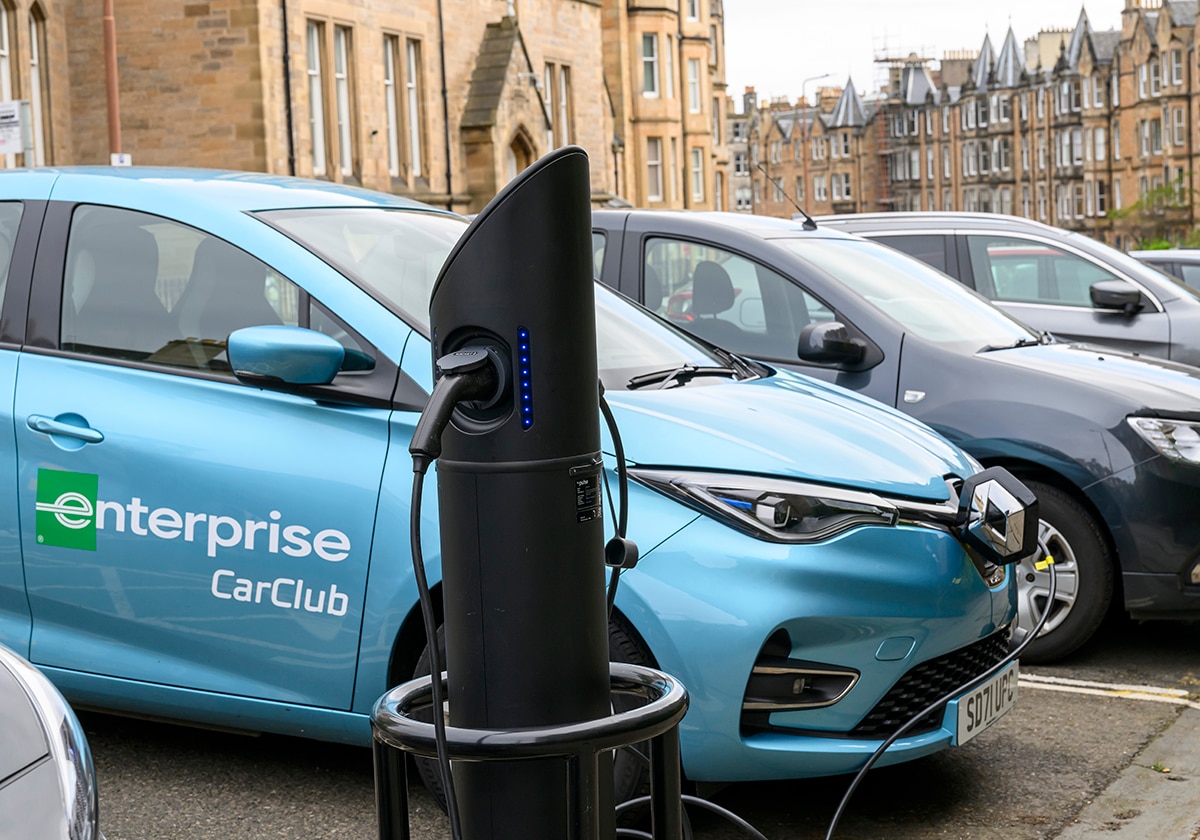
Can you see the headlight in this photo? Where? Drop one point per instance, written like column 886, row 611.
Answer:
column 1178, row 439
column 773, row 509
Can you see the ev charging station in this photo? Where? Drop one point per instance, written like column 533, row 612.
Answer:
column 513, row 422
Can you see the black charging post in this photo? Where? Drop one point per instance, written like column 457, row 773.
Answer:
column 522, row 538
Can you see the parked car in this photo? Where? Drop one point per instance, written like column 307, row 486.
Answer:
column 1181, row 263
column 188, row 545
column 1109, row 442
column 1067, row 283
column 47, row 779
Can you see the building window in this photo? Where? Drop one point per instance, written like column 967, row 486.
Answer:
column 1089, row 206
column 650, row 65
column 741, row 163
column 693, row 9
column 39, row 86
column 846, row 185
column 1156, row 141
column 1041, row 152
column 1025, row 154
column 1155, row 77
column 1177, row 125
column 559, row 96
column 716, row 118
column 846, row 144
column 654, row 174
column 1176, row 67
column 929, row 166
column 1097, row 92
column 742, row 199
column 697, row 175
column 6, row 88
column 1116, row 87
column 1116, row 138
column 946, row 120
column 1142, row 77
column 777, row 190
column 1101, row 198
column 342, row 60
column 1077, row 146
column 819, row 190
column 1100, row 140
column 719, row 192
column 1041, row 199
column 405, row 118
column 694, row 85
column 669, row 67
column 1040, row 98
column 316, row 96
column 799, row 188
column 673, row 170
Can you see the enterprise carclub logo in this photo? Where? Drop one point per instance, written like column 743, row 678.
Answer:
column 66, row 509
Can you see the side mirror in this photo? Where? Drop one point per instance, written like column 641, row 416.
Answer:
column 283, row 358
column 1116, row 294
column 830, row 342
column 998, row 516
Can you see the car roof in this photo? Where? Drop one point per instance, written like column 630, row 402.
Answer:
column 914, row 219
column 763, row 227
column 1169, row 254
column 222, row 189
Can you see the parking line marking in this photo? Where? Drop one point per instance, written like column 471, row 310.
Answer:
column 1150, row 693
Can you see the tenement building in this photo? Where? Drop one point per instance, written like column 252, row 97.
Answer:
column 441, row 100
column 1094, row 131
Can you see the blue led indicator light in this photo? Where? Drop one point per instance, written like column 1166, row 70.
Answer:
column 526, row 387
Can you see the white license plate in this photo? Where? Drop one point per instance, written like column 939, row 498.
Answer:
column 981, row 707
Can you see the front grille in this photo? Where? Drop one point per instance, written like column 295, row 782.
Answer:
column 925, row 684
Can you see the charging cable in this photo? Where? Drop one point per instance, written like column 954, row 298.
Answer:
column 464, row 375
column 1047, row 562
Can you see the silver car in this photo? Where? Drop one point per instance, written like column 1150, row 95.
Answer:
column 47, row 779
column 1065, row 283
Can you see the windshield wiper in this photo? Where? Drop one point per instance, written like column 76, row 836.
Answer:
column 682, row 373
column 1026, row 341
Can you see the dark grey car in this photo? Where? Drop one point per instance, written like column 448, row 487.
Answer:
column 1109, row 441
column 47, row 780
column 1052, row 279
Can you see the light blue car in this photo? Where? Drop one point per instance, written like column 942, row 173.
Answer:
column 183, row 544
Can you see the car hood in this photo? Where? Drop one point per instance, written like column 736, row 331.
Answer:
column 1148, row 384
column 788, row 425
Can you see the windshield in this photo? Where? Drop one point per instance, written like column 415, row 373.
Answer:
column 921, row 299
column 396, row 255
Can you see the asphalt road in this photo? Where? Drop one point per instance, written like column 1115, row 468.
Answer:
column 1026, row 777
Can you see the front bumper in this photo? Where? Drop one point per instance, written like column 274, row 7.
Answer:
column 879, row 601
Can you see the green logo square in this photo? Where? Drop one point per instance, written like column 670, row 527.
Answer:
column 66, row 509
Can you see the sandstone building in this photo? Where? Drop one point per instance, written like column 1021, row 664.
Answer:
column 440, row 100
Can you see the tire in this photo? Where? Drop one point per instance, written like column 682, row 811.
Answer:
column 1083, row 566
column 631, row 773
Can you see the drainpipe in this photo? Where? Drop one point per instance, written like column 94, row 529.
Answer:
column 287, row 91
column 445, row 108
column 110, row 79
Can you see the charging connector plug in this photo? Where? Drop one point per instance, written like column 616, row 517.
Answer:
column 465, row 375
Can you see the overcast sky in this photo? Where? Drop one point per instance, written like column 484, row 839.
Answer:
column 774, row 45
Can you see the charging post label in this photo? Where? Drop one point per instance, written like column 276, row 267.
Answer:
column 587, row 496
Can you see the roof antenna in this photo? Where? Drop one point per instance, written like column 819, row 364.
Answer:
column 809, row 224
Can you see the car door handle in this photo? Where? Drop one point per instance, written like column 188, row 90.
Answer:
column 50, row 426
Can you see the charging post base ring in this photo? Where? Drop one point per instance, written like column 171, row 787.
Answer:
column 395, row 732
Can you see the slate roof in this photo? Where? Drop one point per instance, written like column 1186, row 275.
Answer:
column 981, row 72
column 1009, row 64
column 915, row 84
column 850, row 110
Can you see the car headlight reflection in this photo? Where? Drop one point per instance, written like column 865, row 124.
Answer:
column 1178, row 439
column 773, row 509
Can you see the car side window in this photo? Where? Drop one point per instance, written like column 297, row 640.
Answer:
column 598, row 243
column 928, row 248
column 1027, row 271
column 1190, row 274
column 726, row 298
column 10, row 220
column 143, row 288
